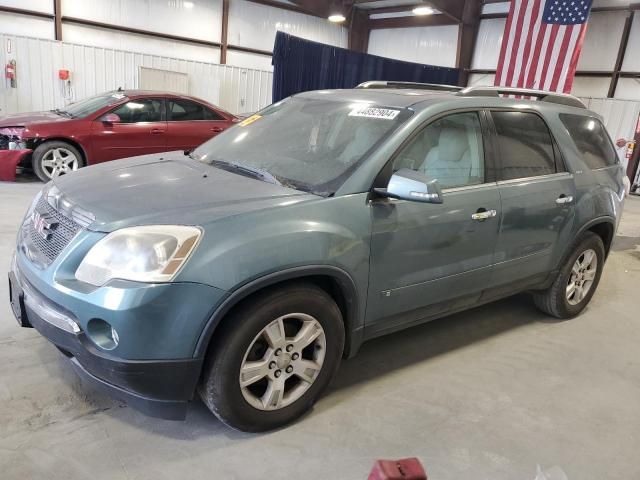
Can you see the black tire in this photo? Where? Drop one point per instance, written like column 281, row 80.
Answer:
column 42, row 150
column 553, row 301
column 220, row 387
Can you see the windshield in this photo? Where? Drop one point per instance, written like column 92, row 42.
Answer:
column 92, row 104
column 307, row 144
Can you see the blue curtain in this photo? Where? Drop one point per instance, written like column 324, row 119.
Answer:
column 300, row 65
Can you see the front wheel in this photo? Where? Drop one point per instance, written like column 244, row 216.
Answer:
column 52, row 159
column 577, row 280
column 273, row 358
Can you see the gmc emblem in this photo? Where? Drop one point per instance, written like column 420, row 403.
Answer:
column 43, row 224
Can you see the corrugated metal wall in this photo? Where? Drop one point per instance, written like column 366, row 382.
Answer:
column 95, row 70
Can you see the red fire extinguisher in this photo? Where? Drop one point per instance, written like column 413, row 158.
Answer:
column 10, row 73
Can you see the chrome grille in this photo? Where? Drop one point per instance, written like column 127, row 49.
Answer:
column 59, row 237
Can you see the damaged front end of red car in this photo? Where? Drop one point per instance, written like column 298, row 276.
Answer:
column 13, row 152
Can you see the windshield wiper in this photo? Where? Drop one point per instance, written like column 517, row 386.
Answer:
column 247, row 170
column 62, row 113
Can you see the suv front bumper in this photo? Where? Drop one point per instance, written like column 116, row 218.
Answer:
column 159, row 387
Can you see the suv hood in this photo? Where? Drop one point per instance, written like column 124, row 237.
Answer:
column 23, row 119
column 167, row 188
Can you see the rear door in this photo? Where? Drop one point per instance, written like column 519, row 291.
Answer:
column 537, row 196
column 190, row 123
column 140, row 129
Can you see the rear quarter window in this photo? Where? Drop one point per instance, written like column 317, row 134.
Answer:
column 591, row 139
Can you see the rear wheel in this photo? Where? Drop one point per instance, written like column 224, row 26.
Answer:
column 577, row 280
column 52, row 159
column 273, row 358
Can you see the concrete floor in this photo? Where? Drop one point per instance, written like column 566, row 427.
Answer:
column 487, row 394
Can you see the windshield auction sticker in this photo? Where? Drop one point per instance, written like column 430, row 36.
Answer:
column 250, row 120
column 374, row 112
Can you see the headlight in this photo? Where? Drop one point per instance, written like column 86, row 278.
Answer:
column 34, row 202
column 143, row 254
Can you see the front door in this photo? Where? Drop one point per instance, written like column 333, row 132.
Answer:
column 139, row 130
column 428, row 259
column 190, row 124
column 537, row 199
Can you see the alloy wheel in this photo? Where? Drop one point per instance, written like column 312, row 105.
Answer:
column 59, row 161
column 283, row 361
column 582, row 276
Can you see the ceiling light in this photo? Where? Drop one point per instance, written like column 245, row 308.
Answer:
column 188, row 4
column 337, row 18
column 422, row 11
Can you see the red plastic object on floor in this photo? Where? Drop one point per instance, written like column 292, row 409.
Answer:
column 9, row 160
column 405, row 469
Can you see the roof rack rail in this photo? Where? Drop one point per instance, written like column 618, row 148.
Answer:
column 541, row 95
column 409, row 85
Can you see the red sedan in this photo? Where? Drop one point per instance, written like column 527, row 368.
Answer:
column 109, row 126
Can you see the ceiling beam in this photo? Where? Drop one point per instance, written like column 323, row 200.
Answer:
column 287, row 6
column 451, row 8
column 318, row 8
column 467, row 37
column 359, row 30
column 414, row 21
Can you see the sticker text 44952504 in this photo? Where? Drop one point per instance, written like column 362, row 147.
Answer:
column 374, row 112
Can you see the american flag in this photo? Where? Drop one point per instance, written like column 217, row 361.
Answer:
column 542, row 43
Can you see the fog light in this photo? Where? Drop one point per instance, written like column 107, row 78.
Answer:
column 102, row 334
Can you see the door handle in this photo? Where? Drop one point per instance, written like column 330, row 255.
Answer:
column 156, row 131
column 481, row 215
column 564, row 199
column 217, row 129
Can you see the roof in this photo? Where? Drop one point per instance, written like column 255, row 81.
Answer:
column 399, row 98
column 421, row 98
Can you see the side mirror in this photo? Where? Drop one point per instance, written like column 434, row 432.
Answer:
column 110, row 118
column 410, row 185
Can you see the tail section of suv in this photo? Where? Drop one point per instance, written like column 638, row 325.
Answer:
column 246, row 270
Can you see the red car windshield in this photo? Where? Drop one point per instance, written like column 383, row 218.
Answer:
column 92, row 104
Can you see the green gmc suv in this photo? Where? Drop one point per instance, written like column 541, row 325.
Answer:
column 244, row 271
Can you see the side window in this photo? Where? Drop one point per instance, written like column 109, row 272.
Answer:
column 525, row 145
column 449, row 150
column 140, row 110
column 592, row 140
column 180, row 110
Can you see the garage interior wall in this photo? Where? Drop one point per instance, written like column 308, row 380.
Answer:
column 598, row 57
column 252, row 27
column 95, row 70
column 428, row 45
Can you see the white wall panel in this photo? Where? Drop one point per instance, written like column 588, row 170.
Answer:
column 602, row 41
column 430, row 45
column 632, row 59
column 249, row 60
column 488, row 43
column 254, row 26
column 591, row 86
column 95, row 70
column 199, row 19
column 102, row 37
column 628, row 89
column 45, row 6
column 502, row 7
column 481, row 80
column 611, row 3
column 13, row 24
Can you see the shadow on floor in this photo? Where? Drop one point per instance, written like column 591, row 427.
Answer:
column 419, row 344
column 376, row 358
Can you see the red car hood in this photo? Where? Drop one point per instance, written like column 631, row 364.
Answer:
column 22, row 119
